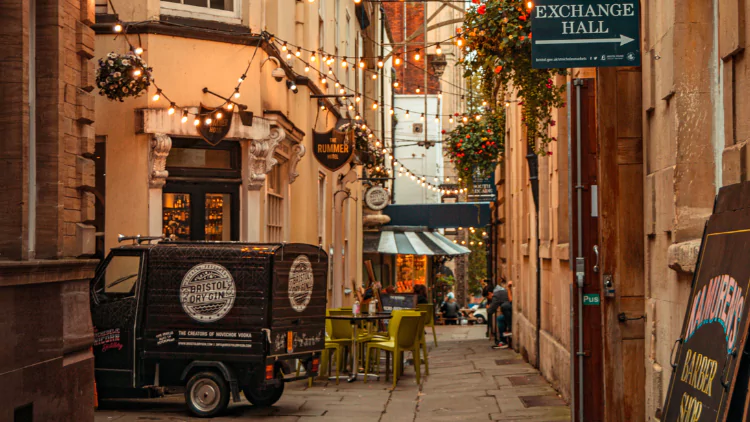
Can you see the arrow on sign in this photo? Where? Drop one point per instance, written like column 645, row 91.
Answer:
column 622, row 40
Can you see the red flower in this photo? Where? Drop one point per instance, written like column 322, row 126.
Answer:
column 443, row 132
column 467, row 136
column 520, row 103
column 498, row 69
column 522, row 17
column 475, row 1
column 482, row 9
column 456, row 114
column 552, row 122
column 549, row 152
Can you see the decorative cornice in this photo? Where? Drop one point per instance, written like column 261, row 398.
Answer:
column 293, row 133
column 298, row 151
column 260, row 157
column 158, row 120
column 161, row 144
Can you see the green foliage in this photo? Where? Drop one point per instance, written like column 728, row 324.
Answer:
column 475, row 146
column 367, row 153
column 498, row 35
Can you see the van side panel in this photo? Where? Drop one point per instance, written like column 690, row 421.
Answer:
column 298, row 304
column 207, row 300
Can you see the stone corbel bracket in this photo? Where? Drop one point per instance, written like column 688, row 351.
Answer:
column 682, row 257
column 160, row 146
column 260, row 157
column 298, row 151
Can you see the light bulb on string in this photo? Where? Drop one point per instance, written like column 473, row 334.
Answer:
column 465, row 119
column 330, row 71
column 307, row 68
column 375, row 105
column 184, row 116
column 478, row 117
column 117, row 27
column 364, row 126
column 438, row 50
column 237, row 93
column 208, row 120
column 343, row 62
column 385, row 151
column 437, row 119
column 418, row 90
column 377, row 144
column 283, row 46
column 421, row 118
column 380, row 62
column 440, row 95
column 137, row 72
column 242, row 78
column 529, row 5
column 407, row 114
column 450, row 120
column 312, row 57
column 323, row 80
column 395, row 83
column 337, row 84
column 459, row 42
column 357, row 98
column 288, row 55
column 351, row 107
column 171, row 109
column 397, row 60
column 484, row 103
column 219, row 115
column 417, row 55
column 197, row 121
column 361, row 64
column 298, row 53
column 342, row 91
column 157, row 95
column 374, row 76
column 138, row 50
column 230, row 105
column 390, row 111
column 357, row 116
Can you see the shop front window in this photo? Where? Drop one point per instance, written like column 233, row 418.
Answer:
column 218, row 223
column 410, row 270
column 176, row 215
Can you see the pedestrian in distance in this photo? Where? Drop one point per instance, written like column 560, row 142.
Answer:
column 451, row 311
column 421, row 291
column 500, row 302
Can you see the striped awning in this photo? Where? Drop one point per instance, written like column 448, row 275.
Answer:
column 411, row 242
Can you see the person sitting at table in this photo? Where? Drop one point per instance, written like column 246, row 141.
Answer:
column 421, row 291
column 451, row 311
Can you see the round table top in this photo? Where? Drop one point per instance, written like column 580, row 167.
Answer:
column 363, row 317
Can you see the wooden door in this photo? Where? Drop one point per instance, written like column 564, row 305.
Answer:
column 621, row 234
column 588, row 370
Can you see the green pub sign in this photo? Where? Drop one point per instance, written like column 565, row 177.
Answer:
column 591, row 299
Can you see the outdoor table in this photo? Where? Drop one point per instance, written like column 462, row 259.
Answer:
column 354, row 320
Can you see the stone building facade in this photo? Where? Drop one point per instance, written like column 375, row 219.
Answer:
column 46, row 209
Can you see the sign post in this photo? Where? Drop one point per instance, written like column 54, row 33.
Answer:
column 585, row 33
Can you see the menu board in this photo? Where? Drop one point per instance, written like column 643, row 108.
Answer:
column 395, row 302
column 709, row 381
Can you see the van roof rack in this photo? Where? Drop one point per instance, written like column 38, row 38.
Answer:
column 138, row 238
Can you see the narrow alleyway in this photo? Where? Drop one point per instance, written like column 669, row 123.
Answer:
column 468, row 381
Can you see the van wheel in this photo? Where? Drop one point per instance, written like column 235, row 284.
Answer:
column 264, row 395
column 207, row 394
column 480, row 319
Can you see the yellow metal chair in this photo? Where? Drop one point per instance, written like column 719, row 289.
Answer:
column 423, row 343
column 406, row 331
column 430, row 320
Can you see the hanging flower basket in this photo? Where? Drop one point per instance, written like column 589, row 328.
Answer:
column 366, row 153
column 122, row 75
column 475, row 147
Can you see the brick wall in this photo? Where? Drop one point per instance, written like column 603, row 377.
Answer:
column 64, row 136
column 410, row 73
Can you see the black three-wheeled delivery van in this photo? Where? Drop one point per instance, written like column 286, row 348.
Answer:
column 215, row 318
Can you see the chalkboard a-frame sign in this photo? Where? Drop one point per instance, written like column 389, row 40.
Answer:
column 710, row 377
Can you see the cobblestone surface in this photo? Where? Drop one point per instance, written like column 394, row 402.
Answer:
column 466, row 383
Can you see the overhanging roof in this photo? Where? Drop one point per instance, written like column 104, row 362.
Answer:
column 440, row 216
column 411, row 241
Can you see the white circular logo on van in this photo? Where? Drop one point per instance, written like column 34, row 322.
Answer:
column 300, row 283
column 207, row 292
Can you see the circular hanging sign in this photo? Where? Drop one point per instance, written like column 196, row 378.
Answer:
column 300, row 283
column 376, row 198
column 207, row 292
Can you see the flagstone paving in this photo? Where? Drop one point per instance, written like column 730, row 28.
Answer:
column 468, row 381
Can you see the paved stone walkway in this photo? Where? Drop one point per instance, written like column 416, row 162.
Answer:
column 468, row 381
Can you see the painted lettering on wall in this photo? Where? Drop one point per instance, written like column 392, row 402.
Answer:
column 722, row 301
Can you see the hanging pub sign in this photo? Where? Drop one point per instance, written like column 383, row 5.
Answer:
column 483, row 189
column 710, row 378
column 377, row 198
column 585, row 33
column 333, row 149
column 221, row 122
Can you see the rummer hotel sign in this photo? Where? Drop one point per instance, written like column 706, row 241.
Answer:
column 333, row 149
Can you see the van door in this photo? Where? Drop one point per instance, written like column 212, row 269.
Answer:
column 114, row 307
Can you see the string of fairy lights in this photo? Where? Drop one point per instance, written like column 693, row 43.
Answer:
column 285, row 48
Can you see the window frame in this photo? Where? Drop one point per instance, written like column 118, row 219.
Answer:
column 102, row 272
column 204, row 13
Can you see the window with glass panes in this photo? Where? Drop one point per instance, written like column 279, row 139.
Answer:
column 276, row 214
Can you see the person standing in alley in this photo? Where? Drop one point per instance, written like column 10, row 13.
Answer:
column 451, row 311
column 499, row 303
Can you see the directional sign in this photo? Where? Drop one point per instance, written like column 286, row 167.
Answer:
column 585, row 33
column 591, row 299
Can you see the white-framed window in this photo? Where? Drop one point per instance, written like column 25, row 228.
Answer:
column 276, row 211
column 218, row 10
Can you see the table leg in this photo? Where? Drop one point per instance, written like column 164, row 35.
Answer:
column 353, row 376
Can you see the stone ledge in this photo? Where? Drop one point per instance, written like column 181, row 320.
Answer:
column 563, row 251
column 545, row 249
column 683, row 256
column 20, row 273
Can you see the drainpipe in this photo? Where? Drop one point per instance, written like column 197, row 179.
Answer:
column 533, row 160
column 341, row 194
column 580, row 260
